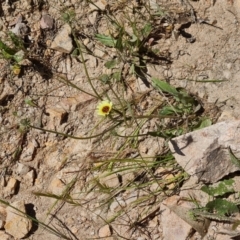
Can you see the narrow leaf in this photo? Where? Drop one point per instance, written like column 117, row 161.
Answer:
column 106, row 40
column 111, row 64
column 165, row 87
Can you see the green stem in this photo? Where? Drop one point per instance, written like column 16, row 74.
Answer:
column 74, row 137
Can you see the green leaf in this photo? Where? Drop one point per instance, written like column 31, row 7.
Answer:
column 146, row 30
column 6, row 51
column 117, row 76
column 221, row 189
column 111, row 64
column 17, row 41
column 233, row 158
column 19, row 56
column 169, row 110
column 106, row 40
column 185, row 98
column 205, row 123
column 119, row 42
column 222, row 207
column 105, row 78
column 165, row 87
column 134, row 38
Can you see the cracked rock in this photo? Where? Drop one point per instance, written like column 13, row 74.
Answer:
column 63, row 42
column 205, row 152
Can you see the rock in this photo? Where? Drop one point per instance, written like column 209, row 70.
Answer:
column 17, row 225
column 56, row 186
column 22, row 169
column 150, row 147
column 92, row 17
column 153, row 223
column 105, row 231
column 75, row 103
column 204, row 152
column 10, row 189
column 63, row 42
column 227, row 115
column 111, row 181
column 117, row 204
column 20, row 29
column 177, row 221
column 5, row 236
column 46, row 21
column 192, row 188
column 28, row 179
column 28, row 152
column 3, row 215
column 101, row 4
column 57, row 116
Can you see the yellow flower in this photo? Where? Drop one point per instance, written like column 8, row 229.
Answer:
column 104, row 108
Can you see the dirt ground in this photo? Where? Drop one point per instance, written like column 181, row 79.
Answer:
column 45, row 162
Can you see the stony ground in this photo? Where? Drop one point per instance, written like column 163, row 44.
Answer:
column 37, row 166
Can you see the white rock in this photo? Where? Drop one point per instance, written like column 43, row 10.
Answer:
column 204, row 152
column 63, row 42
column 105, row 231
column 20, row 29
column 17, row 224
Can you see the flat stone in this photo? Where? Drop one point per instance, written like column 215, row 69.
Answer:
column 63, row 42
column 105, row 231
column 17, row 225
column 204, row 152
column 176, row 220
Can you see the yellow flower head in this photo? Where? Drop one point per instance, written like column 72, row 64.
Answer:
column 104, row 108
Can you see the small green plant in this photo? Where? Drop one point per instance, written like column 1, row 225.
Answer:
column 15, row 52
column 173, row 110
column 218, row 209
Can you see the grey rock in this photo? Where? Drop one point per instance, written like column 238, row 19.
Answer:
column 63, row 42
column 46, row 21
column 205, row 153
column 20, row 29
